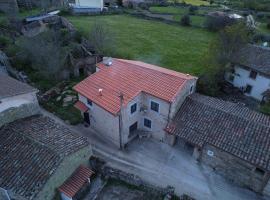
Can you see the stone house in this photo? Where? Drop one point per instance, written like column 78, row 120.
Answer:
column 17, row 100
column 86, row 6
column 125, row 98
column 228, row 137
column 250, row 71
column 37, row 156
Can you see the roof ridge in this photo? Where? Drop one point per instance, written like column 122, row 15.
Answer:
column 158, row 69
column 234, row 112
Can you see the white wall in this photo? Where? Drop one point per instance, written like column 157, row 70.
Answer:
column 103, row 121
column 241, row 79
column 90, row 3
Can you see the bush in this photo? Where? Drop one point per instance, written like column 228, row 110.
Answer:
column 143, row 6
column 268, row 25
column 192, row 9
column 5, row 41
column 260, row 15
column 185, row 20
column 216, row 23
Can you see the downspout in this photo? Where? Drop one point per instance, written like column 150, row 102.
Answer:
column 121, row 96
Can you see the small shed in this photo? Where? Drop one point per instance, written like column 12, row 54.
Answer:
column 77, row 184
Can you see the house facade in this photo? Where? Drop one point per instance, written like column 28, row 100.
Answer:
column 230, row 138
column 17, row 100
column 250, row 71
column 85, row 6
column 124, row 99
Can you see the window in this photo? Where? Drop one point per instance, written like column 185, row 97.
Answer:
column 147, row 123
column 133, row 108
column 259, row 171
column 154, row 106
column 248, row 89
column 89, row 102
column 253, row 75
column 191, row 89
column 231, row 78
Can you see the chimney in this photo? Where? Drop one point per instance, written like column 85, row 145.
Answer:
column 100, row 91
column 107, row 61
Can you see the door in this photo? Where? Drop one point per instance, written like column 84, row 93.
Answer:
column 86, row 117
column 132, row 129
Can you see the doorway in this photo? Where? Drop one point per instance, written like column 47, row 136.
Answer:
column 132, row 129
column 86, row 118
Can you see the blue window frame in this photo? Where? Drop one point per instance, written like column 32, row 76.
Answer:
column 154, row 106
column 133, row 108
column 147, row 123
column 89, row 102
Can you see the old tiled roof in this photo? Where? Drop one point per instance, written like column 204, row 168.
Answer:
column 81, row 106
column 11, row 87
column 76, row 181
column 30, row 151
column 228, row 126
column 254, row 57
column 130, row 78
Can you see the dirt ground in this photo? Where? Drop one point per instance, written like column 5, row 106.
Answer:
column 120, row 192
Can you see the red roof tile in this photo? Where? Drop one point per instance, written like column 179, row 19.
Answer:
column 81, row 106
column 130, row 78
column 75, row 182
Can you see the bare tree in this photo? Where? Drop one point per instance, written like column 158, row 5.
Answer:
column 101, row 38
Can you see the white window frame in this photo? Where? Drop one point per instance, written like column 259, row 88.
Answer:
column 129, row 110
column 151, row 100
column 146, row 126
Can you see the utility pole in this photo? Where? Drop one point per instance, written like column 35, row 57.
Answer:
column 121, row 96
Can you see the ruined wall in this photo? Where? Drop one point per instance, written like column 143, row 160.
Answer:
column 234, row 169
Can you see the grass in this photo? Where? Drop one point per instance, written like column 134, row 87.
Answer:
column 179, row 48
column 169, row 9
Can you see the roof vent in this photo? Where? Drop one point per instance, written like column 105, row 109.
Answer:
column 188, row 75
column 100, row 91
column 107, row 61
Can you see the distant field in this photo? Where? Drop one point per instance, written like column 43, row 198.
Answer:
column 169, row 9
column 195, row 20
column 175, row 47
column 193, row 2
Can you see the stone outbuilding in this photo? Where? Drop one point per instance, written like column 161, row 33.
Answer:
column 37, row 155
column 229, row 137
column 17, row 100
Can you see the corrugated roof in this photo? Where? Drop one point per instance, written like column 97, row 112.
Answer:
column 228, row 126
column 76, row 181
column 130, row 78
column 11, row 87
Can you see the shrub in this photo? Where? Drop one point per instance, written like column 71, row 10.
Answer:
column 192, row 9
column 260, row 15
column 216, row 23
column 143, row 6
column 185, row 20
column 268, row 25
column 4, row 41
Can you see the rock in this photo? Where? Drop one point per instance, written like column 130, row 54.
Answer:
column 68, row 99
column 58, row 98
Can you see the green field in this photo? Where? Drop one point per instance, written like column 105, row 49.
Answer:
column 175, row 47
column 193, row 2
column 169, row 9
column 195, row 20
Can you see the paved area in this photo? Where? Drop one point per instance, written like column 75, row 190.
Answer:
column 162, row 165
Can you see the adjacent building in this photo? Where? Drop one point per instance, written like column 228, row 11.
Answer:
column 87, row 6
column 17, row 100
column 250, row 71
column 37, row 156
column 232, row 139
column 125, row 98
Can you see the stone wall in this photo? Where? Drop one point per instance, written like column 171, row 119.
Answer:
column 234, row 169
column 14, row 113
column 8, row 6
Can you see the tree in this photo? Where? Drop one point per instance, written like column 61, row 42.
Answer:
column 45, row 52
column 221, row 50
column 185, row 20
column 101, row 38
column 120, row 2
column 217, row 21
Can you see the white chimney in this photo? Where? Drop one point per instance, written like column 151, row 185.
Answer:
column 100, row 91
column 107, row 61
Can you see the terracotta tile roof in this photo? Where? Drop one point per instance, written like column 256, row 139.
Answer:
column 11, row 87
column 81, row 106
column 228, row 126
column 76, row 181
column 130, row 78
column 31, row 150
